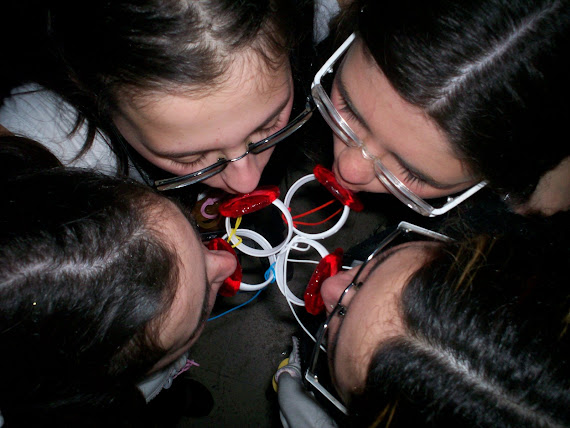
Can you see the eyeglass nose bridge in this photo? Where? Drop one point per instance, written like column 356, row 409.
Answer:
column 240, row 157
column 367, row 155
column 222, row 162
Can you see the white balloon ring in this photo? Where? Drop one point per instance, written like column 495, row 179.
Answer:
column 322, row 235
column 281, row 266
column 263, row 243
column 263, row 252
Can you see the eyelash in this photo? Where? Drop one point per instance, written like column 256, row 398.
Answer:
column 187, row 164
column 343, row 107
column 268, row 131
column 410, row 178
column 271, row 130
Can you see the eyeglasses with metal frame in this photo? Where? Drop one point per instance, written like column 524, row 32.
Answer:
column 341, row 128
column 404, row 228
column 253, row 148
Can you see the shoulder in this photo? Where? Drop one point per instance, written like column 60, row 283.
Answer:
column 41, row 115
column 30, row 109
column 37, row 113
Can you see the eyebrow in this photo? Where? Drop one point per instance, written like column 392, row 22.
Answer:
column 272, row 116
column 349, row 103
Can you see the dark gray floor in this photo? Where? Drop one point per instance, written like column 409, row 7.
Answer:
column 239, row 352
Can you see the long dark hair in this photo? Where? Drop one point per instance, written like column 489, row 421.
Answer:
column 21, row 155
column 85, row 278
column 485, row 341
column 107, row 50
column 490, row 73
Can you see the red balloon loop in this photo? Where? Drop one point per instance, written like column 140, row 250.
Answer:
column 231, row 285
column 247, row 203
column 327, row 267
column 345, row 196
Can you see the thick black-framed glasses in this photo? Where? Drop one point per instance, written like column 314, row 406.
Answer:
column 178, row 182
column 404, row 228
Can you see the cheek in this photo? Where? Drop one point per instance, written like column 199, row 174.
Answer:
column 338, row 146
column 262, row 158
column 212, row 298
column 347, row 369
column 340, row 367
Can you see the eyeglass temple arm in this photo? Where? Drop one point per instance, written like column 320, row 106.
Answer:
column 456, row 201
column 327, row 65
column 310, row 378
column 297, row 122
column 409, row 227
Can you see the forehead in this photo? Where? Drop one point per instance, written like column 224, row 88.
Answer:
column 373, row 314
column 241, row 100
column 384, row 279
column 398, row 261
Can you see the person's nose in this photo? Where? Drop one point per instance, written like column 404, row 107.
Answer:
column 243, row 176
column 333, row 288
column 353, row 168
column 219, row 266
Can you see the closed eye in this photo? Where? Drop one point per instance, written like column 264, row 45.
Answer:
column 345, row 104
column 410, row 179
column 194, row 164
column 269, row 131
column 346, row 111
column 201, row 162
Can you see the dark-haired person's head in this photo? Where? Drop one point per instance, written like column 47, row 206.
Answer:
column 184, row 83
column 101, row 283
column 471, row 333
column 20, row 155
column 443, row 95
